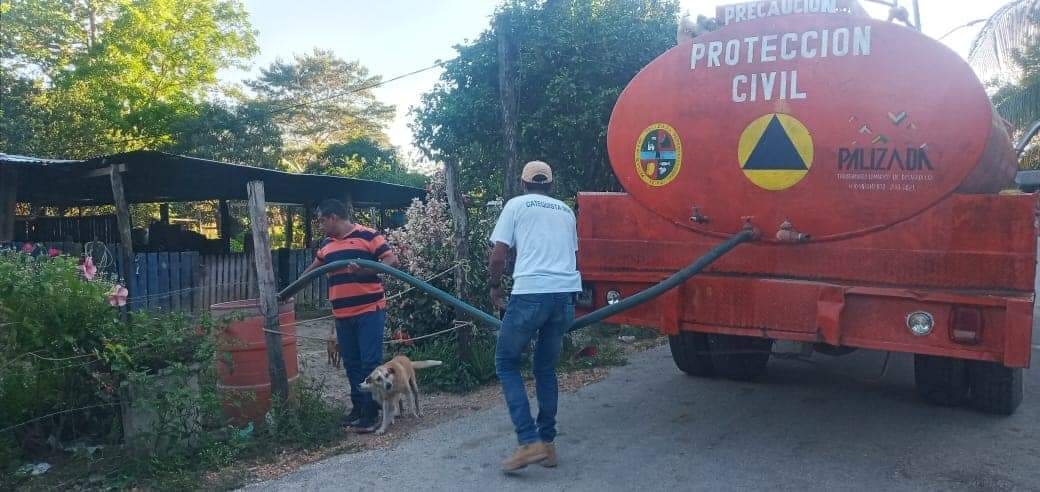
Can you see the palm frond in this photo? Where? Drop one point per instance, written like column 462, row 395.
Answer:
column 1008, row 31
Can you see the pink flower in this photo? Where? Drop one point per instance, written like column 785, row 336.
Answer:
column 88, row 269
column 117, row 296
column 53, row 252
column 28, row 248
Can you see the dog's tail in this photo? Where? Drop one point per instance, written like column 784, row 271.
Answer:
column 423, row 364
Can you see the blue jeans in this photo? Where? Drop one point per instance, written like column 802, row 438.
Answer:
column 361, row 350
column 544, row 317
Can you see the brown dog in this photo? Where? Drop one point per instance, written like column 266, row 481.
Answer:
column 332, row 349
column 394, row 382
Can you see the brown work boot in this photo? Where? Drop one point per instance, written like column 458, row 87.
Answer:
column 526, row 454
column 550, row 458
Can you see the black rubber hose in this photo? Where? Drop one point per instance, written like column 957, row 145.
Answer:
column 666, row 284
column 593, row 317
column 440, row 295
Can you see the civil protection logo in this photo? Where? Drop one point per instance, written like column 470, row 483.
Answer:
column 658, row 155
column 775, row 151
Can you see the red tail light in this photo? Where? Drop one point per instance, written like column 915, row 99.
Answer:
column 966, row 325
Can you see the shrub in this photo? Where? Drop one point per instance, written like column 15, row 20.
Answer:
column 69, row 358
column 63, row 347
column 54, row 326
column 424, row 246
column 455, row 375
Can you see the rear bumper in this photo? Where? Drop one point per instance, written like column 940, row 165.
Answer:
column 812, row 311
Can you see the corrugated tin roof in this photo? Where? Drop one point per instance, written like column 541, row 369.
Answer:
column 152, row 176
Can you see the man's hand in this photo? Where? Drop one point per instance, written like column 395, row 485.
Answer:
column 496, row 264
column 497, row 299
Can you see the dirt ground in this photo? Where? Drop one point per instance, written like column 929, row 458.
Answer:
column 437, row 407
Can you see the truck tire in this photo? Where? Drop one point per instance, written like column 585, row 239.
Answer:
column 690, row 353
column 995, row 389
column 941, row 380
column 739, row 358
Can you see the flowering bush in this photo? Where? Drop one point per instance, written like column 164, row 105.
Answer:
column 65, row 352
column 425, row 249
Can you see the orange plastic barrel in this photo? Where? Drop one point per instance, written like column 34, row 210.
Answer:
column 244, row 380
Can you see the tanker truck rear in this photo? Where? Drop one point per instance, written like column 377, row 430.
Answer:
column 873, row 169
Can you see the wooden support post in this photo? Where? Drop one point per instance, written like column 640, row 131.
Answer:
column 164, row 213
column 8, row 199
column 123, row 219
column 289, row 227
column 268, row 289
column 460, row 232
column 373, row 216
column 224, row 222
column 507, row 93
column 348, row 201
column 308, row 221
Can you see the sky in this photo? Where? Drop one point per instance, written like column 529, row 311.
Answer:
column 394, row 37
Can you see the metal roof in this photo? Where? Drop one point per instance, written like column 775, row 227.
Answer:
column 151, row 176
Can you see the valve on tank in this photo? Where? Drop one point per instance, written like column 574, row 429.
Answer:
column 697, row 217
column 789, row 234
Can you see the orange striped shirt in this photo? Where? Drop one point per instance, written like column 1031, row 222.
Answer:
column 352, row 294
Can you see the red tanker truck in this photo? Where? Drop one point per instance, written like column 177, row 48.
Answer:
column 871, row 166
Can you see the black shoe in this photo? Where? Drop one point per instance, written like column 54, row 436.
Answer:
column 369, row 420
column 351, row 419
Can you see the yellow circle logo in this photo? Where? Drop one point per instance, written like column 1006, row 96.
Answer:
column 775, row 151
column 658, row 155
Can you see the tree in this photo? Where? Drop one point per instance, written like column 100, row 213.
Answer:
column 121, row 71
column 243, row 133
column 49, row 36
column 319, row 99
column 365, row 158
column 1006, row 55
column 574, row 58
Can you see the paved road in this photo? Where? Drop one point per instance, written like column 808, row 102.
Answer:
column 648, row 427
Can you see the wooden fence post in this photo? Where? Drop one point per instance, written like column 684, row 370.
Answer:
column 123, row 219
column 460, row 233
column 267, row 289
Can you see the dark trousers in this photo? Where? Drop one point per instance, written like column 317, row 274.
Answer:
column 361, row 349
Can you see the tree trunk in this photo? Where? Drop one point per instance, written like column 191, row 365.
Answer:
column 460, row 232
column 268, row 290
column 507, row 94
column 92, row 21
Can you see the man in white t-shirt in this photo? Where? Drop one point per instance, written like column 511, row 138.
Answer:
column 541, row 307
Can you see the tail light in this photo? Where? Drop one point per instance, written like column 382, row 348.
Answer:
column 966, row 325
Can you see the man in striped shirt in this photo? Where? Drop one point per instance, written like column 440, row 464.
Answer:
column 358, row 303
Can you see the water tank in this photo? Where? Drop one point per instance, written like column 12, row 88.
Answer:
column 840, row 125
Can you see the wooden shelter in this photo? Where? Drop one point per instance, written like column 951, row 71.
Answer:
column 156, row 177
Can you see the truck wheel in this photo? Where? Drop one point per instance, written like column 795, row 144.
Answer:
column 995, row 389
column 740, row 358
column 690, row 353
column 941, row 380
